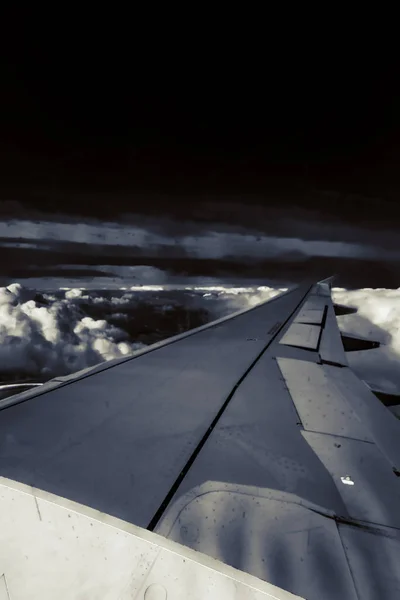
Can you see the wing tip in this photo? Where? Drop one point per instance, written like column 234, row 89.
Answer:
column 328, row 280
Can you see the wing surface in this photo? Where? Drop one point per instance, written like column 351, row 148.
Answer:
column 249, row 440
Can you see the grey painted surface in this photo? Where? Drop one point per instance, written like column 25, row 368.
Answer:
column 374, row 559
column 384, row 430
column 258, row 442
column 318, row 401
column 374, row 495
column 331, row 346
column 56, row 549
column 302, row 335
column 321, row 289
column 312, row 310
column 272, row 536
column 118, row 439
column 263, row 492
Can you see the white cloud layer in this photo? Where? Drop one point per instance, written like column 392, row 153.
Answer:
column 52, row 336
column 43, row 340
column 378, row 318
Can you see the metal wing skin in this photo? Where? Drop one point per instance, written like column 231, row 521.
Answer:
column 243, row 459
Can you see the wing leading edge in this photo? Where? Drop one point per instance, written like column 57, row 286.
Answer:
column 249, row 440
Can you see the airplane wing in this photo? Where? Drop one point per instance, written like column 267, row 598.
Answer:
column 243, row 459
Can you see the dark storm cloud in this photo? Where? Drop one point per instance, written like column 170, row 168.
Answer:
column 192, row 211
column 216, row 241
column 57, row 271
column 314, row 215
column 264, row 244
column 83, row 261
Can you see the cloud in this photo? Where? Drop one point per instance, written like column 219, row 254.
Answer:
column 378, row 318
column 261, row 252
column 44, row 335
column 214, row 243
column 48, row 336
column 234, row 298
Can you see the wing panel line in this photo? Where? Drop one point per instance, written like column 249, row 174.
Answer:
column 159, row 513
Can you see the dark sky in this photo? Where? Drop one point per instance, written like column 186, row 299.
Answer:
column 255, row 134
column 112, row 117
